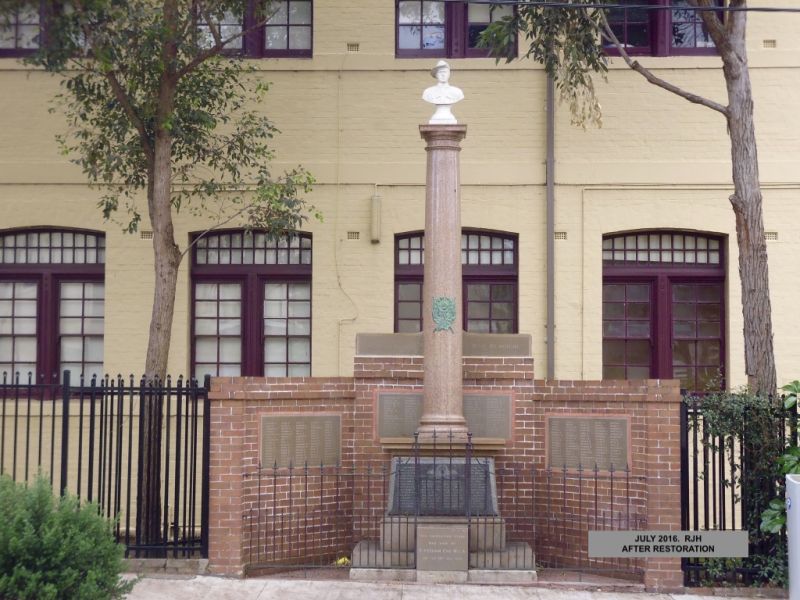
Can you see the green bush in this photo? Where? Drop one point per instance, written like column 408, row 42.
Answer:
column 756, row 422
column 54, row 548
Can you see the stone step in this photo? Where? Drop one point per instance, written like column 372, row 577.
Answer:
column 368, row 554
column 516, row 555
column 485, row 533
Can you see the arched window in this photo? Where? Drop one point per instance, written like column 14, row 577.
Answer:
column 51, row 302
column 489, row 271
column 663, row 307
column 251, row 304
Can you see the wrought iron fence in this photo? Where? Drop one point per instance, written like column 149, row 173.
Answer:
column 87, row 438
column 717, row 491
column 370, row 512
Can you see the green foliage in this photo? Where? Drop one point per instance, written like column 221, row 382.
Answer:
column 55, row 549
column 773, row 518
column 137, row 72
column 754, row 421
column 566, row 41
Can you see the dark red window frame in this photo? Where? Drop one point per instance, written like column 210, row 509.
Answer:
column 252, row 278
column 660, row 35
column 456, row 36
column 662, row 277
column 48, row 277
column 471, row 274
column 253, row 41
column 21, row 52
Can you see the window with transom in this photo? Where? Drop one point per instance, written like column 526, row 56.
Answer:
column 251, row 304
column 489, row 288
column 52, row 303
column 663, row 308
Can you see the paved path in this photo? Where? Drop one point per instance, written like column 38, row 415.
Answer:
column 217, row 588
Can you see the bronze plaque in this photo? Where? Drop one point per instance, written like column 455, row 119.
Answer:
column 488, row 416
column 297, row 439
column 497, row 344
column 442, row 547
column 398, row 414
column 587, row 442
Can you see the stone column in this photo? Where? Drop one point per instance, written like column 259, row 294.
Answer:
column 441, row 305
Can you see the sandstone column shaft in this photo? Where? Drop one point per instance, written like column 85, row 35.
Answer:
column 441, row 304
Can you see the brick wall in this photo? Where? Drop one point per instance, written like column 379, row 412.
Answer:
column 325, row 515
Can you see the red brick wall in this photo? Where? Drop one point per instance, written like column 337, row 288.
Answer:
column 336, row 514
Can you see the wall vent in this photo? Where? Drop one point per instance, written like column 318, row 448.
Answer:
column 353, row 46
column 146, row 235
column 771, row 236
column 560, row 235
column 353, row 235
column 770, row 43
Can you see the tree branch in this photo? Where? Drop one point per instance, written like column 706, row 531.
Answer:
column 657, row 81
column 214, row 227
column 219, row 43
column 122, row 97
column 710, row 18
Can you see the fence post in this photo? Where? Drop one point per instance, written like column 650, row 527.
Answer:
column 204, row 509
column 684, row 434
column 65, row 394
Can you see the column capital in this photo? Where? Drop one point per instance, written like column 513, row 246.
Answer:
column 443, row 136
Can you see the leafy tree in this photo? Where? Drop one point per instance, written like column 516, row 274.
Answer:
column 156, row 108
column 568, row 42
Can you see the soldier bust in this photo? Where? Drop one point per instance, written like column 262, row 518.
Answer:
column 443, row 95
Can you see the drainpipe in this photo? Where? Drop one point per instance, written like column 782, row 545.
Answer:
column 550, row 176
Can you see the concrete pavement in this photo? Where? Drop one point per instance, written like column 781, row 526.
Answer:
column 218, row 588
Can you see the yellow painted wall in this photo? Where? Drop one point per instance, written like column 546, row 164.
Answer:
column 352, row 120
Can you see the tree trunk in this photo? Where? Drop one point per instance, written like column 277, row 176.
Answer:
column 167, row 258
column 747, row 206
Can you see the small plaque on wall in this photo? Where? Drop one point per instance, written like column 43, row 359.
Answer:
column 297, row 439
column 587, row 442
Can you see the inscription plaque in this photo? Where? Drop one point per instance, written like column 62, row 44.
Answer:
column 297, row 439
column 398, row 414
column 430, row 486
column 488, row 416
column 587, row 442
column 474, row 344
column 442, row 547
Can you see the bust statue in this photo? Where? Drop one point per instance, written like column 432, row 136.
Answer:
column 443, row 95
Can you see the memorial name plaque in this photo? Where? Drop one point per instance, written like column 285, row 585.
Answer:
column 587, row 442
column 398, row 414
column 297, row 439
column 428, row 486
column 488, row 416
column 442, row 547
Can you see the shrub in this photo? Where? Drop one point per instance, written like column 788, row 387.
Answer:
column 756, row 423
column 55, row 548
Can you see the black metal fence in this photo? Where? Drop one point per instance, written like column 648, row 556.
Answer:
column 720, row 492
column 87, row 437
column 369, row 514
